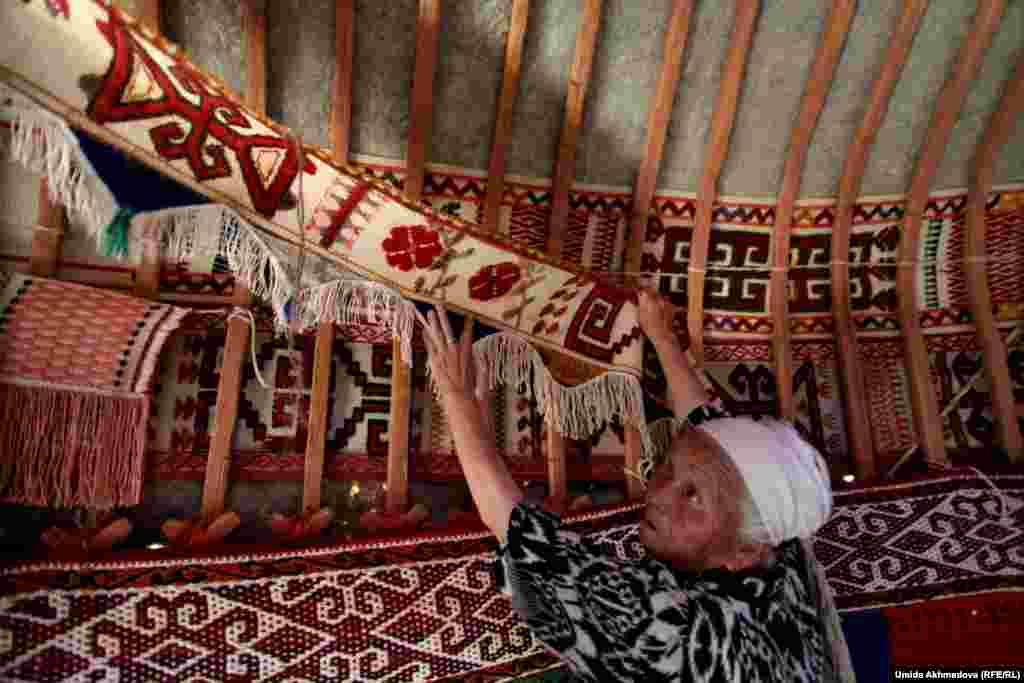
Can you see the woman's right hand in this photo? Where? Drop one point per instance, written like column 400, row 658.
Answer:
column 655, row 314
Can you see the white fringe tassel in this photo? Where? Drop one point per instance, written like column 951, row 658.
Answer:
column 353, row 302
column 211, row 230
column 576, row 412
column 44, row 144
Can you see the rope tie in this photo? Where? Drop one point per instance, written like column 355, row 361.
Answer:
column 246, row 315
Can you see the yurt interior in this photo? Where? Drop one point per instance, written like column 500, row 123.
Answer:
column 221, row 455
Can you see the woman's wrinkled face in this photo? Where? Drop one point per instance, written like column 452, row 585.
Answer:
column 693, row 505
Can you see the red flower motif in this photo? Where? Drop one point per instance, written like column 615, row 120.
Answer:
column 409, row 246
column 59, row 8
column 491, row 282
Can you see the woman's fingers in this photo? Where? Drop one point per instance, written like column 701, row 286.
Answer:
column 427, row 338
column 442, row 314
column 452, row 363
column 436, row 334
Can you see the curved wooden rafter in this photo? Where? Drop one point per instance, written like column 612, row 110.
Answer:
column 999, row 129
column 857, row 424
column 344, row 54
column 819, row 82
column 715, row 152
column 48, row 234
column 503, row 121
column 422, row 105
column 643, row 193
column 149, row 14
column 658, row 120
column 147, row 274
column 565, row 171
column 229, row 386
column 313, row 519
column 422, row 115
column 927, row 421
column 575, row 99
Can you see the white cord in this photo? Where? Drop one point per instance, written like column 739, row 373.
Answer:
column 246, row 315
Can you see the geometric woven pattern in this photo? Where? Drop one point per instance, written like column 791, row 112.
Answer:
column 358, row 409
column 950, row 536
column 406, row 611
column 358, row 417
column 427, row 608
column 75, row 370
column 58, row 333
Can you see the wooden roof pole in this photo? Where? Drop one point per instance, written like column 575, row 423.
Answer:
column 657, row 128
column 254, row 22
column 48, row 235
column 565, row 164
column 999, row 129
column 397, row 499
column 341, row 120
column 715, row 152
column 344, row 54
column 565, row 171
column 215, row 484
column 503, row 122
column 229, row 387
column 316, row 432
column 816, row 90
column 147, row 273
column 422, row 114
column 927, row 421
column 647, row 177
column 857, row 423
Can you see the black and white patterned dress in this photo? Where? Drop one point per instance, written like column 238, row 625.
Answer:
column 617, row 620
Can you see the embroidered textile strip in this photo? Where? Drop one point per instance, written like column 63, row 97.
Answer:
column 136, row 92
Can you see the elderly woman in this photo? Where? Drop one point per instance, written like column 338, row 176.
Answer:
column 725, row 592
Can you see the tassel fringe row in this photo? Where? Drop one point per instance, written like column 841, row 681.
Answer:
column 61, row 448
column 356, row 302
column 576, row 412
column 44, row 144
column 215, row 230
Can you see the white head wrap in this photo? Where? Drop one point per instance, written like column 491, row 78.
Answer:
column 789, row 483
column 786, row 476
